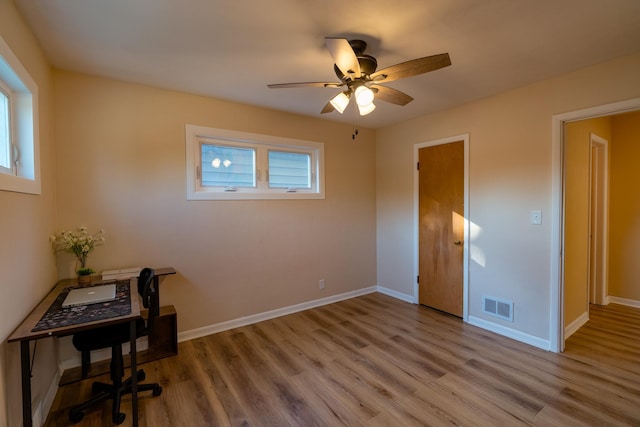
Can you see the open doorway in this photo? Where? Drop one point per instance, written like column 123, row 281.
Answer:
column 563, row 224
column 584, row 211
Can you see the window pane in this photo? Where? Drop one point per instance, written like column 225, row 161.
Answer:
column 228, row 166
column 289, row 170
column 5, row 145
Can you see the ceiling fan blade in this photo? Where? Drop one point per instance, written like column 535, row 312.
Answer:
column 343, row 56
column 412, row 68
column 327, row 108
column 304, row 84
column 391, row 95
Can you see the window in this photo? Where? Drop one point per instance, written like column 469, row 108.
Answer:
column 228, row 165
column 289, row 170
column 5, row 131
column 19, row 149
column 225, row 166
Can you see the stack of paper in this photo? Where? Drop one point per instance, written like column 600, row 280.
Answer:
column 120, row 274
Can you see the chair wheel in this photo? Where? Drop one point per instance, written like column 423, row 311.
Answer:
column 119, row 418
column 141, row 375
column 157, row 391
column 76, row 416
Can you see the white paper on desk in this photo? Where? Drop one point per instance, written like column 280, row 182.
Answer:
column 122, row 273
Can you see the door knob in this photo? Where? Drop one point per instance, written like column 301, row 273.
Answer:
column 457, row 242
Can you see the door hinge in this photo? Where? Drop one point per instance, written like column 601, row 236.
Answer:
column 418, row 166
column 417, row 279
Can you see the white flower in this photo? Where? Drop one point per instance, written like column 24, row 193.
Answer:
column 79, row 243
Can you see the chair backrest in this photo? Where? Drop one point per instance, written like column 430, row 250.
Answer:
column 149, row 294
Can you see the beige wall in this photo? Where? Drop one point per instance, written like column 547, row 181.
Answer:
column 624, row 223
column 510, row 175
column 577, row 147
column 121, row 167
column 26, row 221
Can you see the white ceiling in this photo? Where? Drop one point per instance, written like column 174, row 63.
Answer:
column 231, row 49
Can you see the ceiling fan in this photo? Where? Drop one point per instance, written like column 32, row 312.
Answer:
column 357, row 71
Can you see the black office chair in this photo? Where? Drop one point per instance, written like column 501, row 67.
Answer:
column 114, row 336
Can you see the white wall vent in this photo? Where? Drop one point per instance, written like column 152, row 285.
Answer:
column 498, row 307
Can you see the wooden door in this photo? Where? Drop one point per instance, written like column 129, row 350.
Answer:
column 441, row 227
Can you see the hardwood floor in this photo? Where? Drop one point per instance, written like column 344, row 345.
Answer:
column 377, row 361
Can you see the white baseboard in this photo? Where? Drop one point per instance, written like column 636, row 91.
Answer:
column 624, row 301
column 510, row 333
column 40, row 412
column 576, row 324
column 255, row 318
column 397, row 295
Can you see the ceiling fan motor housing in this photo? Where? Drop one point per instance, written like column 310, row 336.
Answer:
column 368, row 63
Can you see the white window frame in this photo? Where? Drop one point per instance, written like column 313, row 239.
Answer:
column 6, row 92
column 197, row 135
column 24, row 176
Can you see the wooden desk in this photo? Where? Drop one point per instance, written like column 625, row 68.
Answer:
column 163, row 341
column 24, row 334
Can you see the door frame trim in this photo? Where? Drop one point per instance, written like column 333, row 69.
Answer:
column 416, row 230
column 599, row 293
column 556, row 303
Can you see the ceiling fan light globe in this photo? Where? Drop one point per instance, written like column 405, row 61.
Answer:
column 340, row 102
column 366, row 109
column 364, row 96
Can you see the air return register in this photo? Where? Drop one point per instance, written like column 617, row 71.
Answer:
column 498, row 307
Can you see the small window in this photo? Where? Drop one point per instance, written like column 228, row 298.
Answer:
column 227, row 165
column 289, row 170
column 19, row 149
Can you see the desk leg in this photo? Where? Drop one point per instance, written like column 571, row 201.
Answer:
column 134, row 373
column 25, row 362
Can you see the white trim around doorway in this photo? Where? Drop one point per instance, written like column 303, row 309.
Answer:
column 599, row 243
column 556, row 320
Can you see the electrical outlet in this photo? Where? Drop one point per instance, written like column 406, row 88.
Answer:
column 321, row 283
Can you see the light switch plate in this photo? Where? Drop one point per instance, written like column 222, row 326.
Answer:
column 536, row 217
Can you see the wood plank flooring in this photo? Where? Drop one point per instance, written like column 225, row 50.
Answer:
column 377, row 361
